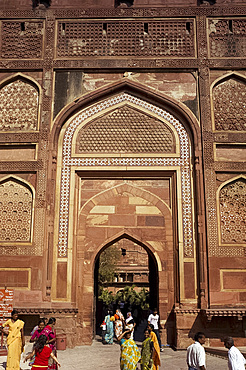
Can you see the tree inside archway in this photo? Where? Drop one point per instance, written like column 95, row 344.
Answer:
column 108, row 261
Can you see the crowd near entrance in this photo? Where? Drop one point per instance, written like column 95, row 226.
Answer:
column 126, row 278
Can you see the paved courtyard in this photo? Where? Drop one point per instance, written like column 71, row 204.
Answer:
column 98, row 357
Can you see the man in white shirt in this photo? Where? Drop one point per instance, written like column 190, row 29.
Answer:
column 236, row 360
column 154, row 320
column 196, row 353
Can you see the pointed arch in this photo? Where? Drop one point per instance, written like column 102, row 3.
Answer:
column 178, row 109
column 130, row 236
column 119, row 189
column 22, row 76
column 15, row 115
column 227, row 76
column 231, row 208
column 66, row 160
column 17, row 206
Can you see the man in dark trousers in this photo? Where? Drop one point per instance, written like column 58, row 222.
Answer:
column 154, row 320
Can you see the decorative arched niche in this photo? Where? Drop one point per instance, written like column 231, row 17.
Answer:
column 77, row 155
column 178, row 157
column 16, row 208
column 19, row 104
column 229, row 102
column 232, row 211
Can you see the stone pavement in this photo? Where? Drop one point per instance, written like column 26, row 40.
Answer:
column 99, row 357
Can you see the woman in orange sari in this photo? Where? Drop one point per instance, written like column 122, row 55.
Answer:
column 15, row 341
column 156, row 352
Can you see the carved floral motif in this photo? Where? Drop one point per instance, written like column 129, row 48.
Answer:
column 16, row 212
column 18, row 106
column 229, row 99
column 233, row 212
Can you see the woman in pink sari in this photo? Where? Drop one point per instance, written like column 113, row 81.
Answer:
column 36, row 334
column 50, row 333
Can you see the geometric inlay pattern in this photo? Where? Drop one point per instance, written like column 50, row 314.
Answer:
column 125, row 130
column 22, row 39
column 227, row 38
column 15, row 212
column 229, row 98
column 170, row 38
column 18, row 106
column 183, row 162
column 233, row 212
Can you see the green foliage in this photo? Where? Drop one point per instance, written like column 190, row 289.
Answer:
column 107, row 297
column 128, row 295
column 108, row 264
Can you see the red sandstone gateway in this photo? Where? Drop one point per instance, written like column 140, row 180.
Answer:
column 123, row 125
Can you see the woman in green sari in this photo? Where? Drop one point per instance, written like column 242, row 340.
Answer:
column 147, row 352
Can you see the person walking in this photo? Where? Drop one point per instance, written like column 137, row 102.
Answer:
column 15, row 340
column 196, row 353
column 147, row 352
column 130, row 324
column 109, row 336
column 42, row 354
column 130, row 354
column 154, row 319
column 156, row 351
column 236, row 360
column 104, row 330
column 36, row 334
column 50, row 333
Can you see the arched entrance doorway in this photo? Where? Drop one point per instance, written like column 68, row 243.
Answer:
column 123, row 266
column 125, row 166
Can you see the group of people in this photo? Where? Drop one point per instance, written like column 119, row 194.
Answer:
column 149, row 357
column 196, row 358
column 43, row 356
column 113, row 325
column 123, row 330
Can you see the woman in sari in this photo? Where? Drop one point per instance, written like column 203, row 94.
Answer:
column 130, row 324
column 15, row 341
column 37, row 332
column 118, row 326
column 42, row 354
column 156, row 351
column 109, row 336
column 147, row 352
column 50, row 333
column 130, row 354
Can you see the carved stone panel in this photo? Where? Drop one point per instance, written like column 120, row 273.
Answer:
column 16, row 211
column 125, row 130
column 233, row 212
column 19, row 106
column 227, row 38
column 170, row 38
column 229, row 99
column 22, row 39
